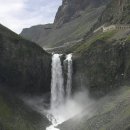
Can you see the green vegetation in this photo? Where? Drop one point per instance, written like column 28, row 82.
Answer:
column 15, row 115
column 105, row 36
column 128, row 7
column 5, row 111
column 103, row 61
column 100, row 37
column 70, row 31
column 128, row 38
column 24, row 68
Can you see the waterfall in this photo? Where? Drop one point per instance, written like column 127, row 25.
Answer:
column 57, row 83
column 60, row 92
column 69, row 75
column 63, row 106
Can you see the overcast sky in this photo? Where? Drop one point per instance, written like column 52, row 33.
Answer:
column 19, row 14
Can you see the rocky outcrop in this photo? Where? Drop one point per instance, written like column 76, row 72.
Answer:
column 71, row 9
column 24, row 66
column 102, row 67
column 116, row 12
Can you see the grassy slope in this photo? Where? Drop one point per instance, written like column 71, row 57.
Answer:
column 73, row 30
column 102, row 36
column 36, row 32
column 15, row 115
column 113, row 113
column 102, row 62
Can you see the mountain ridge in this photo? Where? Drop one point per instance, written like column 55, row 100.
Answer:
column 70, row 10
column 71, row 23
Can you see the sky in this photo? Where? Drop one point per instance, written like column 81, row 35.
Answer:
column 19, row 14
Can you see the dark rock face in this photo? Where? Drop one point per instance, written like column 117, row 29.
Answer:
column 24, row 66
column 71, row 9
column 116, row 12
column 103, row 67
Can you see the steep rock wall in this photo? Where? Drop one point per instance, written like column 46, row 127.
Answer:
column 71, row 9
column 24, row 66
column 102, row 67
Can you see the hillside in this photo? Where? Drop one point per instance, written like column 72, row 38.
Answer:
column 112, row 113
column 16, row 115
column 101, row 65
column 24, row 66
column 73, row 20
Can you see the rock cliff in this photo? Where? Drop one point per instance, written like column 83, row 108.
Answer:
column 24, row 67
column 71, row 9
column 102, row 67
column 117, row 12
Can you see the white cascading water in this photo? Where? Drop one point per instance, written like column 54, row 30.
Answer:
column 57, row 113
column 69, row 75
column 57, row 83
